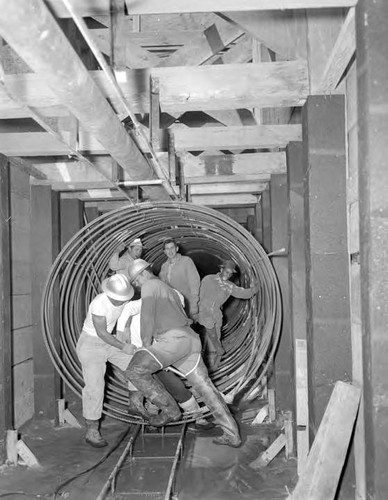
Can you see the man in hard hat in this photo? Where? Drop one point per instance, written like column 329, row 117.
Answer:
column 96, row 346
column 128, row 330
column 124, row 255
column 168, row 340
column 179, row 272
column 214, row 291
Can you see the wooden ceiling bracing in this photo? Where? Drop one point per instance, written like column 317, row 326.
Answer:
column 216, row 92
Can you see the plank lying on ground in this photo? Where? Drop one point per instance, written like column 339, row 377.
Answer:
column 319, row 480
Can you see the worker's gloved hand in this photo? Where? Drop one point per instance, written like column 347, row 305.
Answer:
column 129, row 349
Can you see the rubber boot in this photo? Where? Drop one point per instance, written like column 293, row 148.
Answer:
column 214, row 349
column 136, row 404
column 191, row 407
column 93, row 436
column 201, row 383
column 139, row 372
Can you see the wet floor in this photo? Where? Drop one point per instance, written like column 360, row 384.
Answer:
column 206, row 471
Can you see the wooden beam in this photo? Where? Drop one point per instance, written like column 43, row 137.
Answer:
column 182, row 6
column 235, row 179
column 251, row 137
column 84, row 8
column 44, row 144
column 233, row 86
column 117, row 35
column 228, row 188
column 6, row 399
column 225, row 165
column 200, row 49
column 323, row 28
column 340, row 56
column 319, row 480
column 283, row 32
column 228, row 200
column 228, row 86
column 154, row 116
column 27, row 167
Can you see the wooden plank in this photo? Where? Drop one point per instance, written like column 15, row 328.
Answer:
column 26, row 167
column 268, row 455
column 283, row 32
column 228, row 86
column 244, row 164
column 226, row 187
column 323, row 28
column 117, row 35
column 229, row 200
column 233, row 86
column 235, row 179
column 302, row 414
column 154, row 116
column 200, row 49
column 83, row 8
column 23, row 390
column 182, row 6
column 45, row 144
column 6, row 400
column 340, row 56
column 249, row 137
column 319, row 479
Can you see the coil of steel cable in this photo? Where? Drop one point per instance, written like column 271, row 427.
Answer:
column 252, row 327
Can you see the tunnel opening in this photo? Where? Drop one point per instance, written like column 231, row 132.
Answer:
column 251, row 327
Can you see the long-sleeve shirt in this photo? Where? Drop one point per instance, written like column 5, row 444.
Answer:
column 213, row 294
column 183, row 275
column 161, row 310
column 120, row 264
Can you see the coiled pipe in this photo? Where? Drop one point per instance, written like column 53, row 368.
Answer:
column 250, row 333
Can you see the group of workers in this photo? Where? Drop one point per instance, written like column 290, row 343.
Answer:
column 154, row 333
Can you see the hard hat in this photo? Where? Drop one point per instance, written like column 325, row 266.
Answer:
column 228, row 264
column 118, row 287
column 136, row 267
column 136, row 243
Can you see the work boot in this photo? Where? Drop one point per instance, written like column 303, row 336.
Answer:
column 191, row 408
column 136, row 404
column 201, row 383
column 93, row 436
column 139, row 372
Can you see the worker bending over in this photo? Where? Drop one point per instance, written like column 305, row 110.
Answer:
column 168, row 340
column 214, row 291
column 179, row 272
column 128, row 330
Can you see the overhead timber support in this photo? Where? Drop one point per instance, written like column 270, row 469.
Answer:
column 33, row 33
column 179, row 6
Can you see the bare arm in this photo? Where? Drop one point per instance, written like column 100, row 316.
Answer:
column 99, row 323
column 244, row 293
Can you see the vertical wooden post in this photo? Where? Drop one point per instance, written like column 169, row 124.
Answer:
column 172, row 159
column 296, row 171
column 283, row 360
column 154, row 113
column 6, row 400
column 44, row 249
column 372, row 78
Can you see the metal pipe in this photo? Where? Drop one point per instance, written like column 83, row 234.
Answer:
column 33, row 33
column 251, row 333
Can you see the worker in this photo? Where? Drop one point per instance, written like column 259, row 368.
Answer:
column 168, row 340
column 179, row 272
column 96, row 346
column 124, row 255
column 128, row 330
column 214, row 291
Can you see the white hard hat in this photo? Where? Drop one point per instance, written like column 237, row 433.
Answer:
column 136, row 243
column 118, row 287
column 136, row 267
